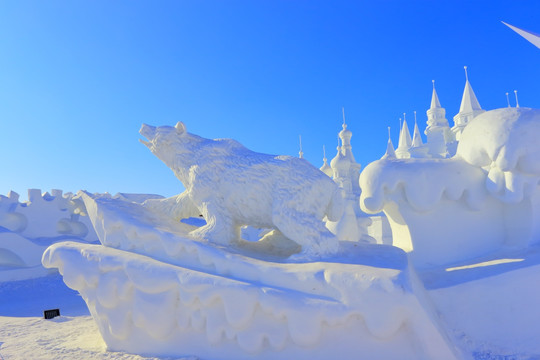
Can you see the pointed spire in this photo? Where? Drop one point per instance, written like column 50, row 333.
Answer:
column 405, row 142
column 417, row 138
column 343, row 112
column 469, row 102
column 517, row 103
column 404, row 136
column 530, row 36
column 507, row 100
column 390, row 152
column 434, row 98
column 300, row 153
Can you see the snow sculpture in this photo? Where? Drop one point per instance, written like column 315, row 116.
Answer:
column 27, row 228
column 154, row 288
column 448, row 210
column 232, row 186
column 160, row 292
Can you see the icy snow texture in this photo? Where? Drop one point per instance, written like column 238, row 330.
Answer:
column 320, row 311
column 448, row 210
column 232, row 186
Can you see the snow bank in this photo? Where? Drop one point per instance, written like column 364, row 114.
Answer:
column 447, row 210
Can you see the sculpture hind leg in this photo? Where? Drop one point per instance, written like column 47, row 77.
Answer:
column 306, row 230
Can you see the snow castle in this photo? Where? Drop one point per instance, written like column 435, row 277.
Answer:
column 442, row 140
column 450, row 206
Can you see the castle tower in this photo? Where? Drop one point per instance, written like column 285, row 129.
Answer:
column 354, row 172
column 438, row 131
column 469, row 109
column 341, row 166
column 405, row 142
column 418, row 149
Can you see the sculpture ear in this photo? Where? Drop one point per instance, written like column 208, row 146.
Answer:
column 180, row 127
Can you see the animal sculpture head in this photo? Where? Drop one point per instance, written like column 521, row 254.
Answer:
column 166, row 142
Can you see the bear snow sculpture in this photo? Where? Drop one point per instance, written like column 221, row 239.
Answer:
column 232, row 186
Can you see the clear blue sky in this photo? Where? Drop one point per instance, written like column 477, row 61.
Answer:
column 77, row 78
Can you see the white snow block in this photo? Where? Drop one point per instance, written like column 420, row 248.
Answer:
column 347, row 310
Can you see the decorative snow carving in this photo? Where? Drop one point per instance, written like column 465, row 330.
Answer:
column 154, row 289
column 232, row 186
column 448, row 210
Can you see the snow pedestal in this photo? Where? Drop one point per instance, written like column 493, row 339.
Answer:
column 159, row 292
column 437, row 209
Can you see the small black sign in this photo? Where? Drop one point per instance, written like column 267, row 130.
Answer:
column 49, row 314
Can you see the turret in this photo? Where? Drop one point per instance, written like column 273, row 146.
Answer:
column 438, row 131
column 405, row 141
column 469, row 109
column 418, row 149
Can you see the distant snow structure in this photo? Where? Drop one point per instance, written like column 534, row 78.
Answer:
column 469, row 109
column 442, row 140
column 345, row 171
column 28, row 228
column 528, row 35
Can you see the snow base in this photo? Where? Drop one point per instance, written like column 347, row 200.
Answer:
column 145, row 306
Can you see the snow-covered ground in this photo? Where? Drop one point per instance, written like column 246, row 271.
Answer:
column 25, row 334
column 489, row 307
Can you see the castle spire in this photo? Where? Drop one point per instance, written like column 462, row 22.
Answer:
column 469, row 102
column 417, row 138
column 390, row 152
column 507, row 100
column 517, row 103
column 300, row 153
column 469, row 109
column 405, row 142
column 435, row 104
